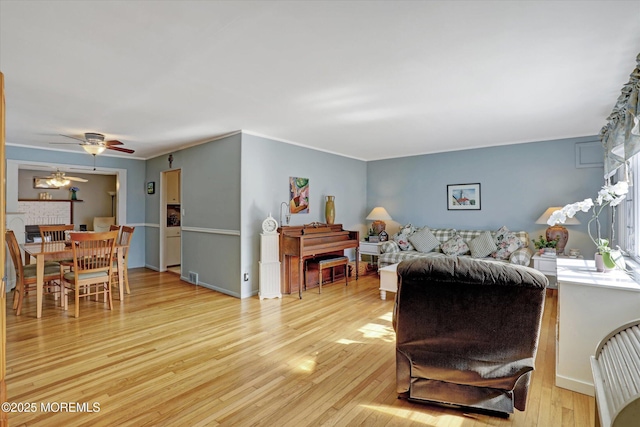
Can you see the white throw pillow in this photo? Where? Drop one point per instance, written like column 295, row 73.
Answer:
column 424, row 240
column 482, row 246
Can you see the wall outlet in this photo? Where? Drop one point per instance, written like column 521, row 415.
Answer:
column 246, row 277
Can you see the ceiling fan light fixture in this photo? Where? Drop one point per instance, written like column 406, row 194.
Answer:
column 94, row 149
column 57, row 182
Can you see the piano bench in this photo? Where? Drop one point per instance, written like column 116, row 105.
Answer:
column 328, row 262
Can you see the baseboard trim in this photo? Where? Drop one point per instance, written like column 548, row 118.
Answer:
column 218, row 289
column 575, row 385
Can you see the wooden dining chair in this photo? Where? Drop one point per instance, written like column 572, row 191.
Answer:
column 124, row 242
column 126, row 234
column 54, row 233
column 92, row 267
column 57, row 233
column 26, row 274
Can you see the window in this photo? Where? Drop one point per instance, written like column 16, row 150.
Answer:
column 628, row 212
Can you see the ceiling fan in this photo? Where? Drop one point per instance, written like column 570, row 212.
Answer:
column 59, row 179
column 94, row 143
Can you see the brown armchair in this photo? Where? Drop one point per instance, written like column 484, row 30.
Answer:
column 467, row 332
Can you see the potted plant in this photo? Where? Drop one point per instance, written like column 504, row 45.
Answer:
column 544, row 245
column 605, row 257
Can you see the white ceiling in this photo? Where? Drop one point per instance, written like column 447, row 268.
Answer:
column 365, row 79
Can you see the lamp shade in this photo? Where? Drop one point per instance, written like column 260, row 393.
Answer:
column 379, row 214
column 547, row 214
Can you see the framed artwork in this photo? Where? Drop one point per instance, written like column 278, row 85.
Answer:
column 463, row 197
column 151, row 187
column 298, row 195
column 42, row 183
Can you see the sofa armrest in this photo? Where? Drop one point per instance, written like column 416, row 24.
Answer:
column 389, row 247
column 521, row 256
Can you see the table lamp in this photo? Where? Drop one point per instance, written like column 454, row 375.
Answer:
column 379, row 215
column 557, row 231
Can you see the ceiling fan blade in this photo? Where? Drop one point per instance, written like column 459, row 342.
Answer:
column 124, row 150
column 113, row 142
column 73, row 137
column 75, row 178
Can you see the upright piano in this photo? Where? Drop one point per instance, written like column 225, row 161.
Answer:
column 299, row 243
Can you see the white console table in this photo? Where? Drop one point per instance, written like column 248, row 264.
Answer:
column 590, row 305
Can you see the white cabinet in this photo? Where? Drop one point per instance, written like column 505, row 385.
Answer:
column 269, row 266
column 172, row 246
column 173, row 186
column 590, row 305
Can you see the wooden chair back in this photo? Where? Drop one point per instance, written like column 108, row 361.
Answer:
column 125, row 236
column 54, row 233
column 93, row 252
column 16, row 255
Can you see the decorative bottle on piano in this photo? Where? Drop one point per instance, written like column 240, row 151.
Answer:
column 330, row 210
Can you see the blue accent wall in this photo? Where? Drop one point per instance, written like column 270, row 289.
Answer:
column 266, row 167
column 518, row 183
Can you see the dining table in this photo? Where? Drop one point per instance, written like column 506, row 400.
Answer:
column 55, row 251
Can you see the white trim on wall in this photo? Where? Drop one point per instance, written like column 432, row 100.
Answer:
column 212, row 231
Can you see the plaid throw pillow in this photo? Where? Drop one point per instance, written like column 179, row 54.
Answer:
column 424, row 240
column 482, row 246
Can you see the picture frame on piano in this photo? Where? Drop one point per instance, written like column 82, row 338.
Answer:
column 374, row 239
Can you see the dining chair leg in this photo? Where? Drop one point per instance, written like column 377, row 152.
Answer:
column 77, row 301
column 126, row 279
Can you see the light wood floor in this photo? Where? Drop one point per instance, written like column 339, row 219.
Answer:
column 173, row 354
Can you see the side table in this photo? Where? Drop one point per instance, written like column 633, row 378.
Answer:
column 548, row 266
column 370, row 248
column 545, row 265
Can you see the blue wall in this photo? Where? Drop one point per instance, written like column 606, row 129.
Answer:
column 266, row 168
column 210, row 199
column 230, row 185
column 135, row 186
column 518, row 182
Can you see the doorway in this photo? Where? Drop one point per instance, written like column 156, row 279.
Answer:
column 170, row 221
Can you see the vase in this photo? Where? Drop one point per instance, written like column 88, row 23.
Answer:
column 74, row 196
column 330, row 209
column 599, row 263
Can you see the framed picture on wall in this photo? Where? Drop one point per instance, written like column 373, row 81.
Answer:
column 298, row 195
column 463, row 197
column 42, row 183
column 151, row 187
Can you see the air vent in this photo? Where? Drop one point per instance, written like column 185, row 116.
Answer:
column 193, row 277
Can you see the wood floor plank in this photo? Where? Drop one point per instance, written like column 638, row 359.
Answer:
column 172, row 353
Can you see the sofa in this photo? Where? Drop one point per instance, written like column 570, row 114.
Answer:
column 467, row 332
column 500, row 245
